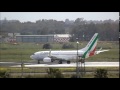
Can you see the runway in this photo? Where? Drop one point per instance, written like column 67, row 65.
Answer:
column 87, row 64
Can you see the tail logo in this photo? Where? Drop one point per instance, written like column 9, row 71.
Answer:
column 91, row 47
column 92, row 52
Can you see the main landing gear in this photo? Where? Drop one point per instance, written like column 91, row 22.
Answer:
column 38, row 61
column 60, row 62
column 68, row 62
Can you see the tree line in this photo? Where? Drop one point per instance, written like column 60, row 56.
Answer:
column 82, row 29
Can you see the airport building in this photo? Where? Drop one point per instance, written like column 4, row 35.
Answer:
column 62, row 38
column 35, row 38
column 43, row 38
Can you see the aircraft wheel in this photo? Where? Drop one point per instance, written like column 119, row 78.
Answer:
column 60, row 62
column 52, row 60
column 68, row 62
column 38, row 61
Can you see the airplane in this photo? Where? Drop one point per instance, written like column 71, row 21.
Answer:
column 69, row 55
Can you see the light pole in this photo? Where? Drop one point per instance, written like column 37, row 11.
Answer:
column 53, row 37
column 77, row 65
column 21, row 66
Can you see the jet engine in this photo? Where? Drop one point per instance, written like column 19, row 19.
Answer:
column 47, row 59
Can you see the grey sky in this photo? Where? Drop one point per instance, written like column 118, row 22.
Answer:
column 60, row 16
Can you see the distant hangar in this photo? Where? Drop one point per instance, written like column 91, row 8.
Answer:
column 43, row 38
column 35, row 38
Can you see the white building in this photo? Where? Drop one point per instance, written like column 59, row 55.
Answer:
column 62, row 37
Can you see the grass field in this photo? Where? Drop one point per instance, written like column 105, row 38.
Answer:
column 42, row 70
column 10, row 52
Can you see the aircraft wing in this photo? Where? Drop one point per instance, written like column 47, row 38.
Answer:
column 97, row 52
column 58, row 58
column 53, row 57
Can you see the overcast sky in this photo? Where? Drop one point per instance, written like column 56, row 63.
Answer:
column 60, row 16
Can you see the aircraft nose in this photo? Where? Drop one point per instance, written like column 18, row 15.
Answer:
column 32, row 57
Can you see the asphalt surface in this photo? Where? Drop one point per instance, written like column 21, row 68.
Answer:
column 87, row 64
column 34, row 64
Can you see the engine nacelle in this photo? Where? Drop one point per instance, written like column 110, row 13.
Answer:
column 47, row 59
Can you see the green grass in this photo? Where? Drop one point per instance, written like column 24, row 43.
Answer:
column 65, row 76
column 34, row 70
column 25, row 69
column 10, row 52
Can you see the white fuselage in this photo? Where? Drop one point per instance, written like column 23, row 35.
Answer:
column 65, row 55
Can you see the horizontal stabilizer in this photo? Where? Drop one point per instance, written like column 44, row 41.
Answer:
column 97, row 52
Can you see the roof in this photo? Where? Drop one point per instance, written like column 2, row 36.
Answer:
column 62, row 35
column 33, row 35
column 56, row 35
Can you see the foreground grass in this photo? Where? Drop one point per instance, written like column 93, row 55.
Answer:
column 113, row 74
column 39, row 69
